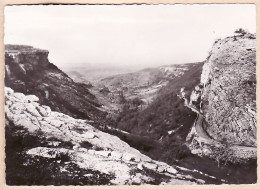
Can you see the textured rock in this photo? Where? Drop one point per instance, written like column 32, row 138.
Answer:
column 140, row 166
column 30, row 72
column 161, row 169
column 116, row 155
column 32, row 98
column 89, row 135
column 103, row 153
column 130, row 157
column 106, row 154
column 227, row 100
column 230, row 91
column 171, row 170
column 151, row 166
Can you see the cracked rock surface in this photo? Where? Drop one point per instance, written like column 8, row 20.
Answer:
column 229, row 96
column 91, row 149
column 227, row 100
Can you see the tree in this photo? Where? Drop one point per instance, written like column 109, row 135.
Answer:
column 122, row 99
column 241, row 31
column 225, row 154
column 104, row 90
column 137, row 102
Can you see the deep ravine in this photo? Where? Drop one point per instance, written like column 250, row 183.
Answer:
column 184, row 124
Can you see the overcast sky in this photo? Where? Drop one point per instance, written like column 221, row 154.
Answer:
column 124, row 35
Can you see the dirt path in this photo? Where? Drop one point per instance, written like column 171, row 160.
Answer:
column 203, row 134
column 199, row 128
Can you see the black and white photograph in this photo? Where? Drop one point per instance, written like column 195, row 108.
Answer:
column 135, row 94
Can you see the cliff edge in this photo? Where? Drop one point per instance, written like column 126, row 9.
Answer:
column 28, row 70
column 226, row 100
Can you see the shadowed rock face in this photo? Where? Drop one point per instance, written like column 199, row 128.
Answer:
column 29, row 71
column 229, row 96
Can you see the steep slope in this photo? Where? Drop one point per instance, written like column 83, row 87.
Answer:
column 76, row 152
column 29, row 71
column 167, row 112
column 78, row 77
column 135, row 90
column 227, row 101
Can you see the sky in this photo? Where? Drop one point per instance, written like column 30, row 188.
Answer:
column 125, row 35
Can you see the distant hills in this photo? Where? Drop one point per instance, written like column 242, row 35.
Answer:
column 151, row 109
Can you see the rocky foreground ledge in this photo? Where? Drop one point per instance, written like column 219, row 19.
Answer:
column 90, row 148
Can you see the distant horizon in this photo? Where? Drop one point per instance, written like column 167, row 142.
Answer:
column 124, row 36
column 83, row 65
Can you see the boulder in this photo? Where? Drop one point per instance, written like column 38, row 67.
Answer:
column 55, row 122
column 161, row 169
column 32, row 98
column 136, row 180
column 32, row 109
column 42, row 111
column 116, row 155
column 19, row 96
column 88, row 135
column 103, row 153
column 44, row 152
column 151, row 166
column 171, row 170
column 92, row 152
column 129, row 157
column 25, row 123
column 8, row 91
column 18, row 108
column 140, row 166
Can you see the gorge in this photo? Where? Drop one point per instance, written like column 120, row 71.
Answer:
column 189, row 123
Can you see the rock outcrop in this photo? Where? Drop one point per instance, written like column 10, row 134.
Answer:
column 226, row 98
column 90, row 148
column 28, row 70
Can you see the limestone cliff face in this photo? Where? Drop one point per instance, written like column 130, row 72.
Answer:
column 29, row 71
column 226, row 98
column 28, row 55
column 229, row 96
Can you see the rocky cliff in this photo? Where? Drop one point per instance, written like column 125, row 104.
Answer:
column 74, row 152
column 29, row 71
column 226, row 98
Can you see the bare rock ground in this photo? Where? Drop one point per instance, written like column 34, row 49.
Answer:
column 92, row 149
